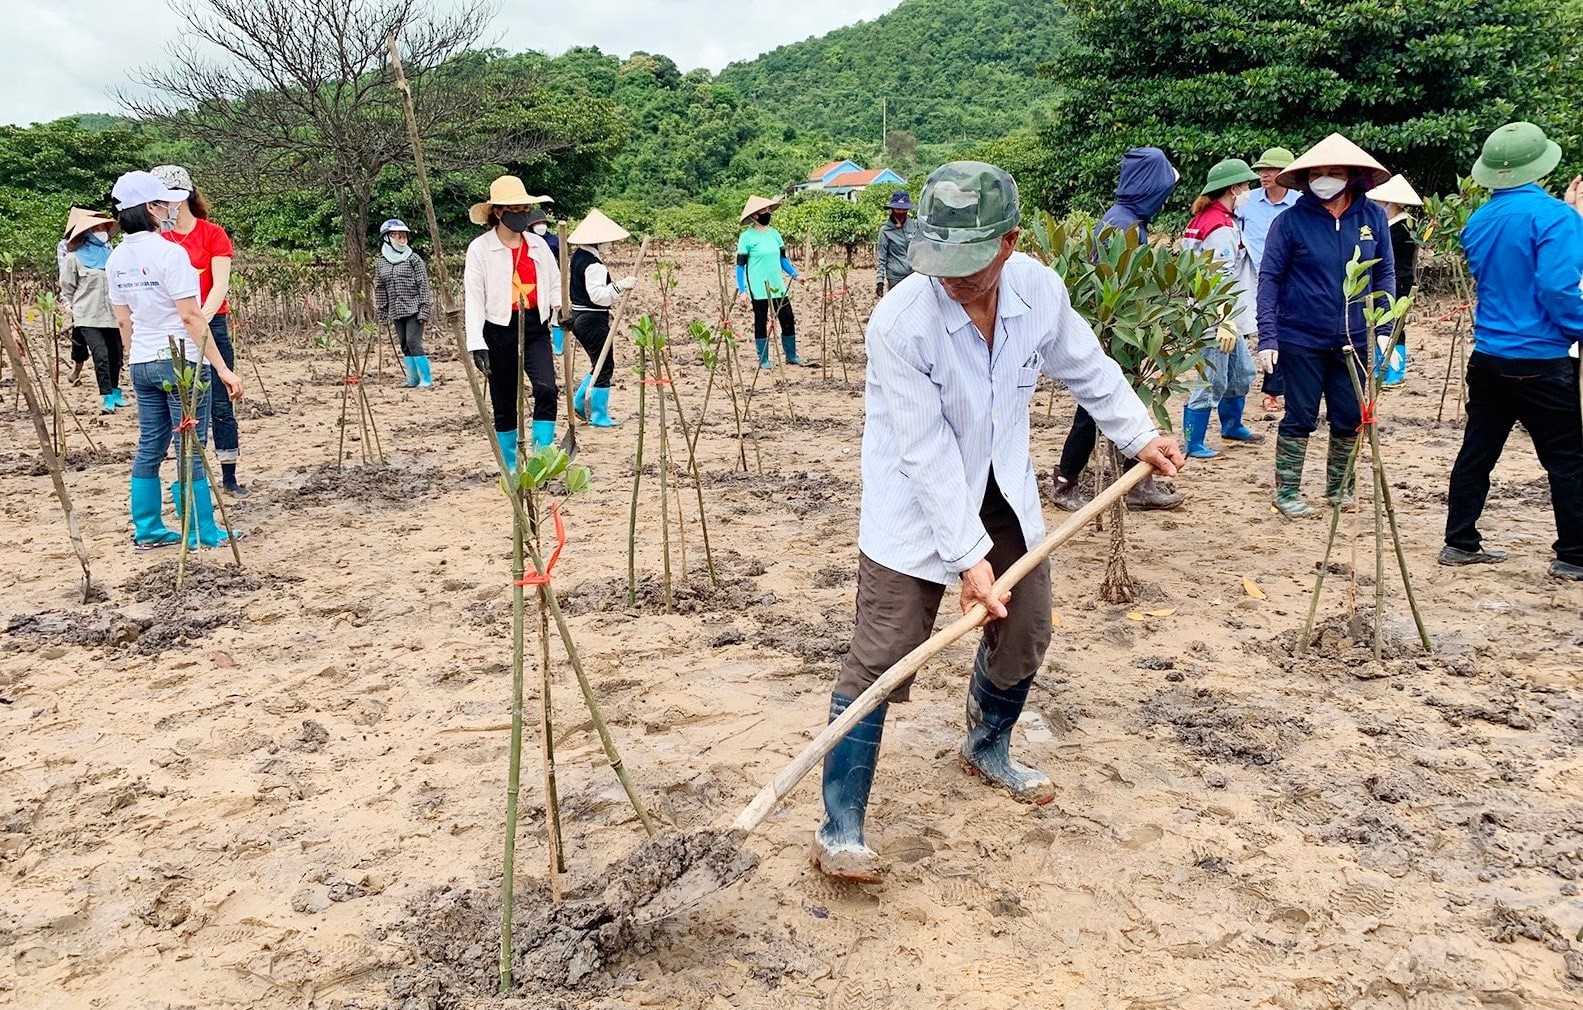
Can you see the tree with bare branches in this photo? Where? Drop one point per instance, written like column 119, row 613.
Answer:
column 302, row 94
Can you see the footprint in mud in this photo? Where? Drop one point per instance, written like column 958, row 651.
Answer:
column 861, row 993
column 1361, row 901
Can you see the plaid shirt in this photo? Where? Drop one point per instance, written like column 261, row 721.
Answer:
column 401, row 289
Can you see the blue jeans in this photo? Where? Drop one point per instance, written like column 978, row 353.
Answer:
column 158, row 414
column 1229, row 374
column 221, row 415
column 1311, row 374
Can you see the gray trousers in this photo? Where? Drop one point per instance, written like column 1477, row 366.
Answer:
column 896, row 612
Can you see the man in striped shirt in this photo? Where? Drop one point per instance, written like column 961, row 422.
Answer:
column 949, row 492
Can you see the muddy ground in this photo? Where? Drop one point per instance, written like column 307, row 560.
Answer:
column 285, row 789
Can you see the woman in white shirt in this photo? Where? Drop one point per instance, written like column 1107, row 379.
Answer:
column 512, row 279
column 154, row 294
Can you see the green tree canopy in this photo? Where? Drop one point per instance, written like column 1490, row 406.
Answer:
column 1418, row 83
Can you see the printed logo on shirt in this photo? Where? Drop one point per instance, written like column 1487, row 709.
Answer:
column 1365, row 233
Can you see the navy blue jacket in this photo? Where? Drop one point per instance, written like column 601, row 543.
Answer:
column 1305, row 263
column 1146, row 181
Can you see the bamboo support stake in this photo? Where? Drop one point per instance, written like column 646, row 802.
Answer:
column 52, row 462
column 782, row 784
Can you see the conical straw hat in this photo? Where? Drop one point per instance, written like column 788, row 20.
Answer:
column 85, row 222
column 757, row 204
column 73, row 216
column 1333, row 150
column 506, row 191
column 597, row 228
column 1398, row 191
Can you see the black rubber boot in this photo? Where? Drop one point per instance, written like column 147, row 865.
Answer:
column 991, row 715
column 232, row 488
column 839, row 849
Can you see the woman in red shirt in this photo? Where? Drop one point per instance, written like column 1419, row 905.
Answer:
column 209, row 249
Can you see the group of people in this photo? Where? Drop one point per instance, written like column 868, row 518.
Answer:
column 956, row 348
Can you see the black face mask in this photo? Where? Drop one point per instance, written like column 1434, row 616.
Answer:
column 763, row 218
column 516, row 220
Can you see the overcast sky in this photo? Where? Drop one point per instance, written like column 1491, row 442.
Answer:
column 60, row 57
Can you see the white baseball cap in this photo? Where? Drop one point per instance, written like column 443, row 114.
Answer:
column 137, row 188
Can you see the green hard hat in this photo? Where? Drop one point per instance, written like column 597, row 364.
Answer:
column 964, row 210
column 1228, row 173
column 1275, row 157
column 1515, row 155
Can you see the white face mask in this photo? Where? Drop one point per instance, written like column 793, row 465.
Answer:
column 172, row 215
column 1242, row 199
column 1327, row 187
column 541, row 229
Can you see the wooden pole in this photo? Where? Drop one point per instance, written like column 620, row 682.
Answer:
column 777, row 789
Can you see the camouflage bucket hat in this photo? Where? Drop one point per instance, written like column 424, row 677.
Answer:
column 965, row 208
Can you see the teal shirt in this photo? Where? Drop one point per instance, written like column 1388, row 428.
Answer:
column 764, row 251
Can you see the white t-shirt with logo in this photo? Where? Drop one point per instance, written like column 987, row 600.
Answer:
column 148, row 274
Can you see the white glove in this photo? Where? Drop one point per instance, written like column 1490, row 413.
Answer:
column 626, row 283
column 1268, row 360
column 1226, row 338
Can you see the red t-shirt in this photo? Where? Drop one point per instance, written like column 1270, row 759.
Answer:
column 206, row 241
column 525, row 291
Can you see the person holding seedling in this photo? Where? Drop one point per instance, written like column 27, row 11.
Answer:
column 896, row 236
column 85, row 295
column 403, row 299
column 512, row 288
column 761, row 260
column 154, row 291
column 1147, row 180
column 1306, row 325
column 1396, row 197
column 209, row 248
column 1525, row 251
column 949, row 491
column 1229, row 364
column 1255, row 215
column 594, row 292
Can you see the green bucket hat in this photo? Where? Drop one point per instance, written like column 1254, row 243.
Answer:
column 1226, row 174
column 964, row 210
column 1275, row 157
column 1515, row 155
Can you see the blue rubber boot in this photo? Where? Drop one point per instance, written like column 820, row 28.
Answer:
column 580, row 398
column 508, row 447
column 789, row 349
column 1396, row 370
column 148, row 524
column 1231, row 427
column 204, row 531
column 107, row 404
column 599, row 416
column 991, row 714
column 839, row 849
column 425, row 379
column 410, row 366
column 558, row 339
column 120, row 397
column 764, row 353
column 543, row 434
column 1195, row 425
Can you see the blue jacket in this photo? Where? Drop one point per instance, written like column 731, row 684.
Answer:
column 1146, row 182
column 1525, row 249
column 1305, row 263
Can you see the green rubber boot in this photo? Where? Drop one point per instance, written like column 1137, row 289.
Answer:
column 1341, row 470
column 1289, row 456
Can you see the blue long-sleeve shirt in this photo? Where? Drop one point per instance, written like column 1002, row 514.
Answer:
column 1525, row 249
column 1301, row 302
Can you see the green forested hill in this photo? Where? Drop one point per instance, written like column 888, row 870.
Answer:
column 948, row 71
